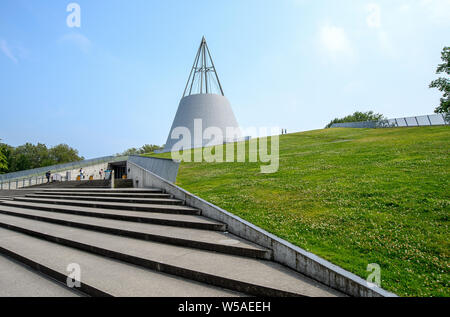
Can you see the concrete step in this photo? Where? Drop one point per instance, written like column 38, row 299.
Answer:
column 102, row 190
column 18, row 280
column 166, row 219
column 191, row 238
column 88, row 193
column 172, row 209
column 159, row 201
column 98, row 183
column 123, row 183
column 100, row 276
column 247, row 275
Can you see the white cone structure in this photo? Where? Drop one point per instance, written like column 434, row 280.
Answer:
column 204, row 116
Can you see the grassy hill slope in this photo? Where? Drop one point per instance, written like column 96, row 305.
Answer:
column 351, row 196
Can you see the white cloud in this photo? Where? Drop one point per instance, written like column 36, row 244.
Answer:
column 373, row 21
column 335, row 41
column 78, row 40
column 386, row 44
column 7, row 51
column 374, row 18
column 438, row 10
column 405, row 7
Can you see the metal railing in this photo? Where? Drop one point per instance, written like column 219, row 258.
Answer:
column 417, row 121
column 37, row 176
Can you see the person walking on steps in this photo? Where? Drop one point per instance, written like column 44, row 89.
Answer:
column 47, row 175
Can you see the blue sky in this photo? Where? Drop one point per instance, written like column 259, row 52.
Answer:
column 116, row 81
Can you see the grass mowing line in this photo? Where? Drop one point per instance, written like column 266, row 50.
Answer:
column 351, row 196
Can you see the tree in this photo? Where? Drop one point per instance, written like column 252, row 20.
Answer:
column 3, row 160
column 150, row 148
column 63, row 153
column 3, row 163
column 358, row 117
column 6, row 150
column 132, row 151
column 145, row 149
column 442, row 83
column 29, row 156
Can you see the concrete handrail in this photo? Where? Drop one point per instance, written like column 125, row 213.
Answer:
column 164, row 168
column 283, row 252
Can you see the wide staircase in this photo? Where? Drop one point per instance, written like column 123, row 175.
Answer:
column 132, row 242
column 98, row 183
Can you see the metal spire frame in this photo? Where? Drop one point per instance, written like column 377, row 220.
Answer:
column 203, row 65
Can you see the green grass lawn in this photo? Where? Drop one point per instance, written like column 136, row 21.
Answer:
column 351, row 196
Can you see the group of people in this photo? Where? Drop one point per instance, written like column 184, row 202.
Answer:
column 105, row 174
column 82, row 174
column 102, row 174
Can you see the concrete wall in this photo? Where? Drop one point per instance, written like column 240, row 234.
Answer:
column 165, row 168
column 92, row 170
column 59, row 167
column 25, row 182
column 36, row 180
column 214, row 110
column 283, row 251
column 36, row 176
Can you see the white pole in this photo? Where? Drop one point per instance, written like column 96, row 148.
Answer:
column 112, row 179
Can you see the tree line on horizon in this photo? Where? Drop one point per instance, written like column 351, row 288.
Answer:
column 29, row 156
column 145, row 149
column 358, row 117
